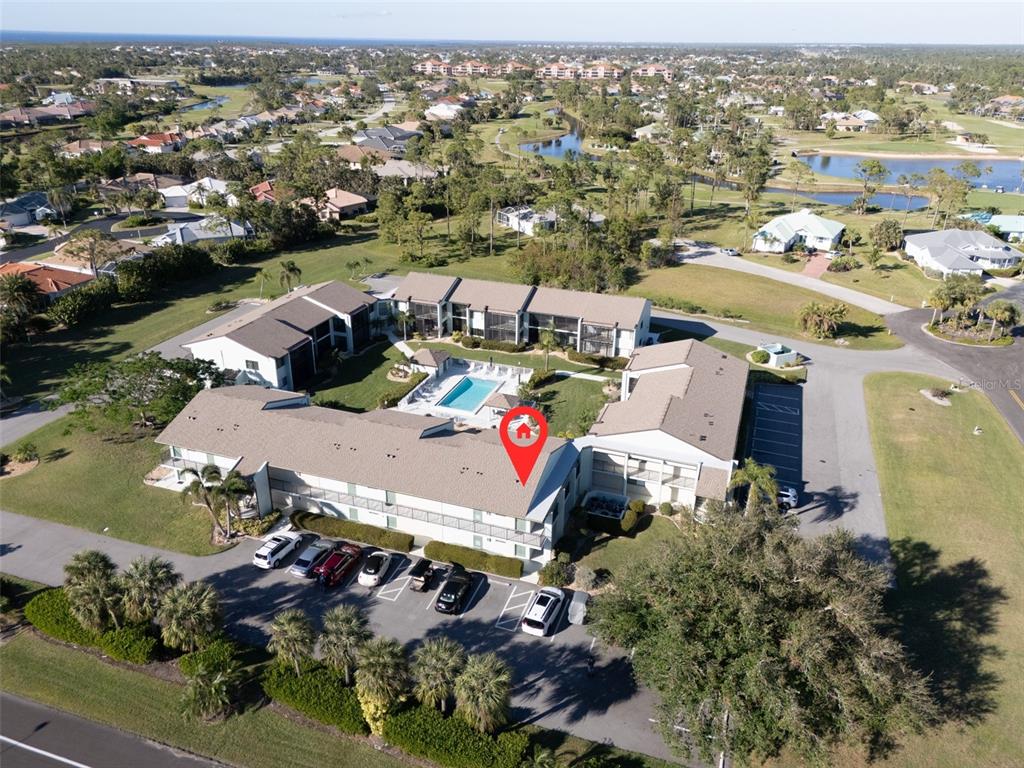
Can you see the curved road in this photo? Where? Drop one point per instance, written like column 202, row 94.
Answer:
column 104, row 225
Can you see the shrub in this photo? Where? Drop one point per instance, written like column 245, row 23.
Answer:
column 450, row 741
column 843, row 264
column 319, row 693
column 789, row 258
column 347, row 529
column 501, row 346
column 665, row 508
column 599, row 361
column 631, row 515
column 257, row 526
column 221, row 306
column 133, row 644
column 939, row 393
column 25, row 452
column 73, row 308
column 555, row 573
column 390, row 399
column 474, row 559
column 540, row 379
column 50, row 613
column 670, row 302
column 137, row 220
column 216, row 656
column 470, row 342
column 887, row 234
column 457, row 336
column 759, row 356
column 586, row 577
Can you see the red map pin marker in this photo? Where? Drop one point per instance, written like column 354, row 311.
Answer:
column 523, row 432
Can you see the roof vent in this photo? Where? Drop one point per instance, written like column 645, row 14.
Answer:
column 703, row 438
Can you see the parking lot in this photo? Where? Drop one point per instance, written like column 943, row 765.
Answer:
column 776, row 436
column 552, row 684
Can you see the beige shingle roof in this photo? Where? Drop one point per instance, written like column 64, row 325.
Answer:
column 401, row 452
column 700, row 404
column 602, row 308
column 432, row 358
column 425, row 287
column 499, row 297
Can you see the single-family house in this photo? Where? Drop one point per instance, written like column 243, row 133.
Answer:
column 208, row 230
column 282, row 344
column 80, row 147
column 523, row 218
column 336, row 204
column 52, row 282
column 869, row 118
column 26, row 209
column 672, row 435
column 405, row 170
column 1008, row 226
column 960, row 252
column 357, row 156
column 803, row 227
column 158, row 143
column 389, row 138
column 196, row 193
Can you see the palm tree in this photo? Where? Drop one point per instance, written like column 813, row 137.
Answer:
column 382, row 679
column 290, row 272
column 292, row 638
column 19, row 295
column 763, row 486
column 940, row 301
column 90, row 583
column 143, row 584
column 208, row 693
column 61, row 199
column 230, row 492
column 821, row 320
column 482, row 691
column 189, row 614
column 542, row 757
column 201, row 490
column 1002, row 313
column 345, row 632
column 546, row 341
column 435, row 665
column 404, row 320
column 263, row 274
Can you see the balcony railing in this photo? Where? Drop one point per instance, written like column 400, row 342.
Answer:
column 437, row 518
column 170, row 460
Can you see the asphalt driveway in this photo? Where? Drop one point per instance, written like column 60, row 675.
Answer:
column 776, row 435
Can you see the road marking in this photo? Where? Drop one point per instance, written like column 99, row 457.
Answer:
column 471, row 598
column 788, row 410
column 592, row 641
column 515, row 609
column 393, row 587
column 43, row 752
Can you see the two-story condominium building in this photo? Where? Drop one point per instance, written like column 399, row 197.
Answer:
column 558, row 71
column 672, row 435
column 432, row 67
column 281, row 343
column 654, row 70
column 470, row 68
column 591, row 323
column 601, row 70
column 386, row 468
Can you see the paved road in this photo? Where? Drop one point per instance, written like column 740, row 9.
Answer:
column 712, row 256
column 103, row 225
column 332, row 133
column 997, row 371
column 35, row 736
column 27, row 419
column 838, row 485
column 552, row 687
column 171, row 348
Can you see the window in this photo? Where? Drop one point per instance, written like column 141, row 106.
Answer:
column 478, row 516
column 524, row 526
column 389, row 498
column 252, row 365
column 392, row 521
column 175, row 451
column 478, row 542
column 210, row 459
column 351, row 489
column 353, row 513
column 520, row 550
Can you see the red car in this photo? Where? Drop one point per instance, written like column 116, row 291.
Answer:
column 332, row 571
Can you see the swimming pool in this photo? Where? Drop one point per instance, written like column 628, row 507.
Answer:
column 469, row 394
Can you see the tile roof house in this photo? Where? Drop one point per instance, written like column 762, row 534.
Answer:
column 356, row 156
column 337, row 203
column 158, row 143
column 960, row 251
column 281, row 343
column 802, row 227
column 52, row 282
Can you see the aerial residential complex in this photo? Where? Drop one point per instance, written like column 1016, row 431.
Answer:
column 672, row 437
column 590, row 323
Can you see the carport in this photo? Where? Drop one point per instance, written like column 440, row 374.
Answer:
column 776, row 436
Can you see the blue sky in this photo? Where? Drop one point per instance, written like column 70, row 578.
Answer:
column 752, row 21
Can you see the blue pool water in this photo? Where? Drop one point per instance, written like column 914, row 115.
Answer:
column 469, row 394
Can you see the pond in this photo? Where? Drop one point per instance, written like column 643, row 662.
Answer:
column 216, row 101
column 1004, row 173
column 882, row 200
column 559, row 146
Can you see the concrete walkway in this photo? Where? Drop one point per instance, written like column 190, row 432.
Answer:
column 713, row 257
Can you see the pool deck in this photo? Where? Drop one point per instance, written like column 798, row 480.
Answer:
column 425, row 399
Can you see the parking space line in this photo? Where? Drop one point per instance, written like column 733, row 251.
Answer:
column 393, row 588
column 785, row 432
column 514, row 609
column 469, row 602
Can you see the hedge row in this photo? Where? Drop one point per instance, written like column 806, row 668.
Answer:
column 449, row 741
column 474, row 559
column 600, row 361
column 390, row 399
column 346, row 529
column 475, row 342
column 319, row 693
column 217, row 655
column 50, row 613
column 670, row 302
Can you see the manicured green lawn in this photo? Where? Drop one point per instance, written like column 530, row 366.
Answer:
column 362, row 379
column 767, row 305
column 615, row 554
column 133, row 701
column 775, row 260
column 531, row 359
column 894, row 280
column 94, row 481
column 953, row 506
column 571, row 405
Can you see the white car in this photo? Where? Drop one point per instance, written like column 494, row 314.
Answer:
column 787, row 499
column 276, row 549
column 542, row 614
column 375, row 568
column 578, row 607
column 730, row 252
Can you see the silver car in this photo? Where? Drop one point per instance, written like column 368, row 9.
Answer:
column 310, row 558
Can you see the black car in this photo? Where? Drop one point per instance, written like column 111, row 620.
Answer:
column 454, row 591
